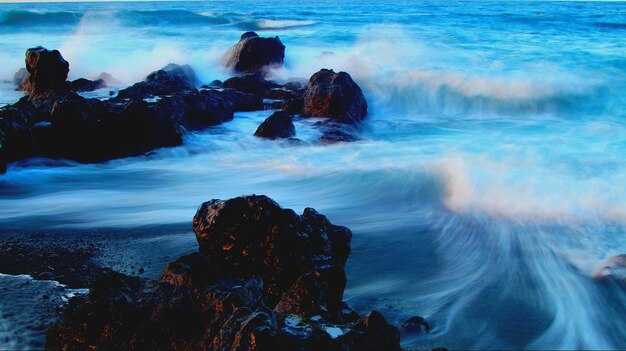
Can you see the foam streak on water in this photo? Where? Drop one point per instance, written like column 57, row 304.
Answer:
column 487, row 191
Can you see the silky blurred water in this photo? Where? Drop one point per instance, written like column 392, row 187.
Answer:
column 488, row 188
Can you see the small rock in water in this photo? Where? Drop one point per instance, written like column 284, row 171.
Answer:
column 278, row 125
column 416, row 324
column 335, row 96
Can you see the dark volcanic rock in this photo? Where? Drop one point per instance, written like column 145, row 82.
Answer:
column 331, row 95
column 250, row 83
column 336, row 96
column 168, row 80
column 269, row 280
column 416, row 324
column 48, row 71
column 66, row 125
column 16, row 122
column 337, row 135
column 254, row 236
column 255, row 54
column 91, row 130
column 278, row 125
column 82, row 84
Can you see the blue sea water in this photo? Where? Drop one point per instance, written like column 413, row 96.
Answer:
column 486, row 196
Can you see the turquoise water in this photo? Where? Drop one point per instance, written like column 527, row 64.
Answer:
column 486, row 194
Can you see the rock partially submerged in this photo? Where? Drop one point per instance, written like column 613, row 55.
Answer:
column 331, row 95
column 250, row 83
column 416, row 324
column 55, row 122
column 254, row 54
column 168, row 80
column 277, row 126
column 613, row 269
column 21, row 82
column 265, row 279
column 83, row 84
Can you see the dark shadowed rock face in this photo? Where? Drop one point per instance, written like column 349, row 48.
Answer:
column 337, row 135
column 170, row 79
column 82, row 84
column 254, row 236
column 416, row 324
column 250, row 83
column 47, row 71
column 335, row 96
column 62, row 124
column 276, row 126
column 254, row 54
column 268, row 280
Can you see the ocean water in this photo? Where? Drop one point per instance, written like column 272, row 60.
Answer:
column 486, row 195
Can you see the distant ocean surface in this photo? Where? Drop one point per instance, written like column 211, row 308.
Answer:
column 489, row 189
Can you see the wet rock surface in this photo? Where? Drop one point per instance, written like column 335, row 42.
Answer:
column 416, row 324
column 255, row 54
column 168, row 80
column 47, row 71
column 265, row 278
column 250, row 83
column 332, row 95
column 278, row 125
column 55, row 122
column 82, row 84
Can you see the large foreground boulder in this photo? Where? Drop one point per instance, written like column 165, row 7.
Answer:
column 254, row 236
column 266, row 279
column 254, row 54
column 47, row 72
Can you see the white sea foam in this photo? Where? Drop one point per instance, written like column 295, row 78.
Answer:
column 277, row 24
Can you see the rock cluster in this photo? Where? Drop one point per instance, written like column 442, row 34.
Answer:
column 265, row 278
column 54, row 121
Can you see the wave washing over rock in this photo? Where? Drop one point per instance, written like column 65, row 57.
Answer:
column 475, row 152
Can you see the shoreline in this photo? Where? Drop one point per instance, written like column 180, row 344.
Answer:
column 56, row 253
